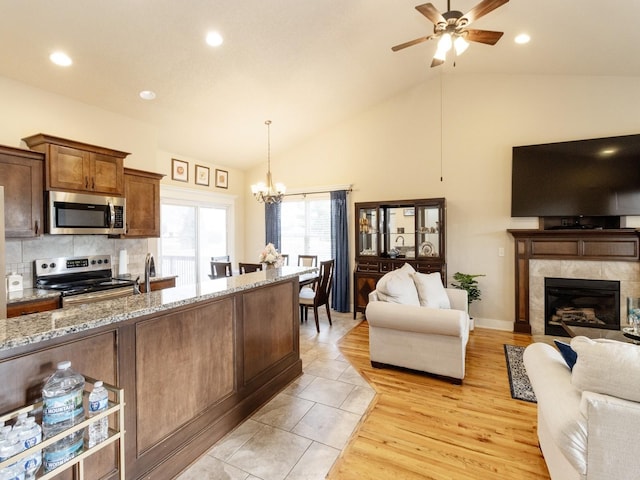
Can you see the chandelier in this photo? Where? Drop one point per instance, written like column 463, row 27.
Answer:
column 267, row 193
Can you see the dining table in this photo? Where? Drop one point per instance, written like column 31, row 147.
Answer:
column 308, row 278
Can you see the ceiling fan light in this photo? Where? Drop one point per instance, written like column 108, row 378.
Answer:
column 445, row 43
column 440, row 55
column 460, row 45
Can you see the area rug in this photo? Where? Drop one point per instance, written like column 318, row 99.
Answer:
column 518, row 379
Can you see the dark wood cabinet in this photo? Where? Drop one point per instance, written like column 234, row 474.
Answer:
column 191, row 372
column 160, row 284
column 21, row 176
column 79, row 167
column 392, row 233
column 142, row 192
column 32, row 306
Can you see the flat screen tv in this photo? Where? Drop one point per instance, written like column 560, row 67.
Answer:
column 597, row 177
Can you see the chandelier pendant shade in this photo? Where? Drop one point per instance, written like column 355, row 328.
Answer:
column 268, row 192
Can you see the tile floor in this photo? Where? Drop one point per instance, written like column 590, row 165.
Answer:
column 299, row 434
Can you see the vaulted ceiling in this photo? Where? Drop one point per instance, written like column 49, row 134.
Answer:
column 304, row 64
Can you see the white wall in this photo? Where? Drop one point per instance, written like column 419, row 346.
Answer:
column 392, row 151
column 26, row 111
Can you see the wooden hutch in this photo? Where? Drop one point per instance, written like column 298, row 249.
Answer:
column 391, row 233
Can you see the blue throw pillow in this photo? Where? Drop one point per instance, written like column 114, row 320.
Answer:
column 567, row 353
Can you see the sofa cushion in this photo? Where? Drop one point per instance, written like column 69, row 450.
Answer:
column 558, row 402
column 607, row 366
column 569, row 355
column 397, row 286
column 431, row 292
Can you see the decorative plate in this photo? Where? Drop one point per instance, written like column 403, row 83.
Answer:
column 426, row 249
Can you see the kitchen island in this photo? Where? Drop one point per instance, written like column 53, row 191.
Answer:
column 193, row 361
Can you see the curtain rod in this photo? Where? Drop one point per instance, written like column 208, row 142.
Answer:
column 348, row 189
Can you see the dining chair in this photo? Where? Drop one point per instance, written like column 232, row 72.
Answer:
column 249, row 267
column 307, row 260
column 220, row 270
column 320, row 296
column 285, row 258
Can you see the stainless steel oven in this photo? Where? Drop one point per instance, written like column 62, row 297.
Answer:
column 81, row 279
column 79, row 213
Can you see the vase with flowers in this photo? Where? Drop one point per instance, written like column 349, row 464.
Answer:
column 270, row 256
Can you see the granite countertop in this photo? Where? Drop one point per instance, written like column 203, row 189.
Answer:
column 39, row 327
column 30, row 294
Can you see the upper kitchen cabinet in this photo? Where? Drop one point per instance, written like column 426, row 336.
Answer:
column 142, row 192
column 21, row 176
column 79, row 167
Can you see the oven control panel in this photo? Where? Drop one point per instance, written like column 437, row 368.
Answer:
column 65, row 265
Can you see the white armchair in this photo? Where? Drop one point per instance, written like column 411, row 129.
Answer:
column 432, row 340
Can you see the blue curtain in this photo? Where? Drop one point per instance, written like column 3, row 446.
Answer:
column 272, row 224
column 340, row 251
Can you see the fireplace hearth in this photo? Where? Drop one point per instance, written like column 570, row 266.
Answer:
column 586, row 303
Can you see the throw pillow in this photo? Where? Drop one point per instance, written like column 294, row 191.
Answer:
column 567, row 353
column 397, row 286
column 431, row 291
column 607, row 367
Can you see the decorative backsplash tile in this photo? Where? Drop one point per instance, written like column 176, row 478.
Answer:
column 20, row 254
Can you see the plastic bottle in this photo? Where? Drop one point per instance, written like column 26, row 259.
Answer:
column 30, row 434
column 97, row 431
column 10, row 446
column 62, row 409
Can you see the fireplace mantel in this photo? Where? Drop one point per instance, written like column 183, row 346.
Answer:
column 604, row 245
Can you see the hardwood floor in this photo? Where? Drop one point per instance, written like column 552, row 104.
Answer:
column 421, row 427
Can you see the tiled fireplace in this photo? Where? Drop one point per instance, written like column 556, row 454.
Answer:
column 627, row 273
column 591, row 255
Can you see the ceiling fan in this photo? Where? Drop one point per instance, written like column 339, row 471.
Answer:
column 450, row 29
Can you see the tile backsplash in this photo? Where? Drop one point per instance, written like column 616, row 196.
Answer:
column 20, row 254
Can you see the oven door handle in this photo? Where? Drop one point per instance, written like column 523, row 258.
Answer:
column 100, row 295
column 112, row 215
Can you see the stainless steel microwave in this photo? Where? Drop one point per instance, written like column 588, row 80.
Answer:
column 80, row 214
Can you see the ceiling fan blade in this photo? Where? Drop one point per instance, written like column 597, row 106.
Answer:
column 483, row 36
column 480, row 10
column 411, row 43
column 432, row 13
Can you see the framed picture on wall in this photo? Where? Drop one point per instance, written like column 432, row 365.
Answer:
column 408, row 212
column 222, row 178
column 179, row 170
column 202, row 175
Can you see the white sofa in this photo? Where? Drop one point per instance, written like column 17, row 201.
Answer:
column 428, row 339
column 588, row 418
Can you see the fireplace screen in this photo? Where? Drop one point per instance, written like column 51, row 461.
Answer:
column 587, row 303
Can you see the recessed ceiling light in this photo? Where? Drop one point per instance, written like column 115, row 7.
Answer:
column 61, row 59
column 147, row 94
column 214, row 39
column 522, row 38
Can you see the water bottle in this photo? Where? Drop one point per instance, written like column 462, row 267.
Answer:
column 29, row 434
column 97, row 431
column 10, row 446
column 62, row 409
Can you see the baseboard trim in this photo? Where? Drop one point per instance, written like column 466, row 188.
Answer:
column 494, row 324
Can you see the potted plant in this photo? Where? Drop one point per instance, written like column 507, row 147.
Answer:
column 465, row 281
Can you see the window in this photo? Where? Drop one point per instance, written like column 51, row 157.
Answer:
column 191, row 233
column 306, row 227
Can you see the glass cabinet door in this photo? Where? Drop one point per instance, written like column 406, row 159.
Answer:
column 368, row 231
column 399, row 240
column 428, row 231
